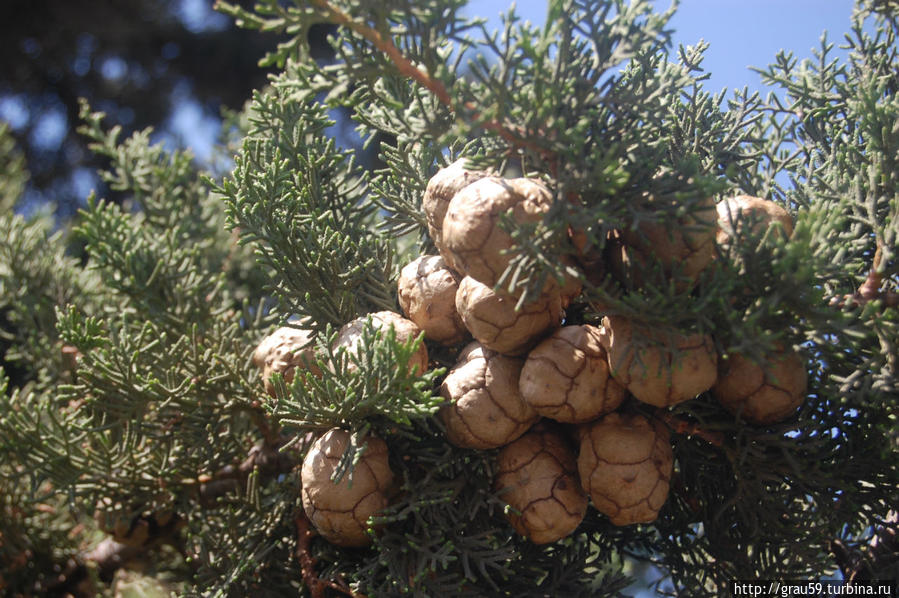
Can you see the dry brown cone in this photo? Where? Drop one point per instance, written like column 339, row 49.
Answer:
column 762, row 393
column 282, row 352
column 566, row 377
column 683, row 248
column 493, row 320
column 486, row 409
column 537, row 477
column 753, row 213
column 427, row 295
column 662, row 367
column 440, row 190
column 340, row 511
column 351, row 335
column 625, row 465
column 475, row 243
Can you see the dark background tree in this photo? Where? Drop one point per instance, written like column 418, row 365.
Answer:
column 139, row 61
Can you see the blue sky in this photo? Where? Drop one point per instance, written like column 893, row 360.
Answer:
column 741, row 33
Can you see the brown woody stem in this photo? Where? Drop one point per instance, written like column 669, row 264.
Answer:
column 682, row 426
column 870, row 289
column 266, row 458
column 407, row 69
column 316, row 585
column 403, row 64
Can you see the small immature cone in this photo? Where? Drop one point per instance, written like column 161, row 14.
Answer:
column 493, row 321
column 282, row 352
column 427, row 295
column 474, row 241
column 566, row 377
column 350, row 335
column 762, row 393
column 664, row 369
column 339, row 512
column 756, row 214
column 440, row 190
column 537, row 477
column 486, row 410
column 625, row 465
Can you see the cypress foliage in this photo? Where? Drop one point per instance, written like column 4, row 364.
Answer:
column 134, row 426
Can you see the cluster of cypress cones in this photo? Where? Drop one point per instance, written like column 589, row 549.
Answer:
column 547, row 394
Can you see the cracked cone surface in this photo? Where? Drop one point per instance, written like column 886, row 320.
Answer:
column 756, row 214
column 625, row 464
column 282, row 352
column 566, row 377
column 487, row 410
column 440, row 190
column 537, row 477
column 472, row 235
column 427, row 295
column 350, row 336
column 762, row 393
column 667, row 369
column 684, row 248
column 493, row 321
column 340, row 511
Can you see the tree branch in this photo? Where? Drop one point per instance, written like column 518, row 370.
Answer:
column 316, row 585
column 110, row 555
column 267, row 458
column 869, row 561
column 682, row 426
column 870, row 289
column 408, row 69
